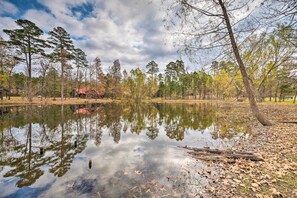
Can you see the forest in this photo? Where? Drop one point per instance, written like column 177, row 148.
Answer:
column 269, row 61
column 129, row 98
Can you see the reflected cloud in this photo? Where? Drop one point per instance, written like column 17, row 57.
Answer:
column 106, row 148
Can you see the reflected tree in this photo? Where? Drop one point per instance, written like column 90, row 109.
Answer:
column 152, row 132
column 115, row 131
column 64, row 152
column 25, row 160
column 64, row 133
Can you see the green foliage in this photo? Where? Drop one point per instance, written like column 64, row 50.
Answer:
column 80, row 58
column 63, row 51
column 113, row 86
column 61, row 42
column 139, row 89
column 4, row 80
column 27, row 40
column 152, row 68
column 175, row 69
column 267, row 58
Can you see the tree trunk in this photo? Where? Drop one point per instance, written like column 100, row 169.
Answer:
column 253, row 104
column 55, row 84
column 62, row 83
column 77, row 83
column 9, row 86
column 43, row 87
column 203, row 92
column 29, row 94
column 280, row 95
column 30, row 145
column 29, row 83
column 65, row 88
column 262, row 94
column 276, row 92
column 63, row 64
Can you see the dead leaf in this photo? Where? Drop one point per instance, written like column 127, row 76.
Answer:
column 255, row 185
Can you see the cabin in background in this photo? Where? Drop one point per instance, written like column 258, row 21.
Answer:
column 86, row 92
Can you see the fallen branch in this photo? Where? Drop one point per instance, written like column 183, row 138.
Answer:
column 218, row 155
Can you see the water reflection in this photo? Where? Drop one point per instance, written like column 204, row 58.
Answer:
column 40, row 144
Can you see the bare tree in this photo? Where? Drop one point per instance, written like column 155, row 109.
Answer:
column 282, row 12
column 45, row 66
column 285, row 10
column 98, row 69
column 209, row 24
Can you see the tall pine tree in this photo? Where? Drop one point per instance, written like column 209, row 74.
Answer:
column 27, row 40
column 152, row 68
column 63, row 50
column 80, row 61
column 115, row 79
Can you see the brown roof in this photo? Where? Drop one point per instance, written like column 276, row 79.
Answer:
column 83, row 90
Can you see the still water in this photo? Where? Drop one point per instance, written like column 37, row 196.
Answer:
column 106, row 150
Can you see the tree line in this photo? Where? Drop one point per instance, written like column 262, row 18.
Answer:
column 268, row 58
column 217, row 25
column 26, row 45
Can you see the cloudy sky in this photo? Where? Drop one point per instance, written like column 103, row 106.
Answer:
column 129, row 30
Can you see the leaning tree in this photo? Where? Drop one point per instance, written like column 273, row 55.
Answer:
column 216, row 24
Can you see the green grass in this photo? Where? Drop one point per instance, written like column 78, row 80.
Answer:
column 287, row 100
column 246, row 188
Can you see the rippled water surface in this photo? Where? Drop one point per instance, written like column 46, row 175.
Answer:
column 105, row 150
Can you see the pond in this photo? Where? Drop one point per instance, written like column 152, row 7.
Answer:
column 108, row 150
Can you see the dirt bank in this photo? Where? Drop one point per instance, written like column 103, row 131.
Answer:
column 276, row 176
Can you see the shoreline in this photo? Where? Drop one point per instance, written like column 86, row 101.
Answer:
column 21, row 101
column 276, row 145
column 18, row 101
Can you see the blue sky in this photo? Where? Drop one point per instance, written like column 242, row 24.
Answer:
column 129, row 30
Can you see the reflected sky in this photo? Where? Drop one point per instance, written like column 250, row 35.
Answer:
column 132, row 149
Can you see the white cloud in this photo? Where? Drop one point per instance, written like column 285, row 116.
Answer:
column 129, row 30
column 8, row 8
column 6, row 23
column 45, row 20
